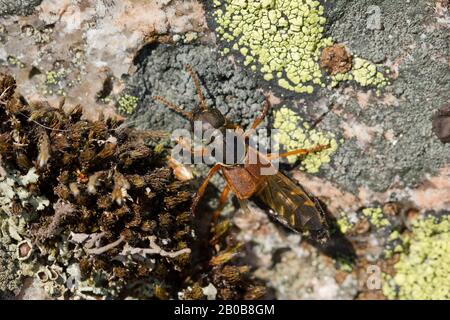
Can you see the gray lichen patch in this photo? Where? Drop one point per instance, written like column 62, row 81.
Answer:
column 10, row 278
column 390, row 138
column 18, row 7
column 162, row 73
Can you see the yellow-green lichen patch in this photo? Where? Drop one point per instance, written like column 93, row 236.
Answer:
column 344, row 224
column 395, row 244
column 55, row 82
column 53, row 77
column 366, row 74
column 344, row 264
column 423, row 271
column 127, row 104
column 376, row 217
column 13, row 61
column 336, row 79
column 285, row 38
column 293, row 133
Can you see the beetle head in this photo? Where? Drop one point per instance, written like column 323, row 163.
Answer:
column 210, row 118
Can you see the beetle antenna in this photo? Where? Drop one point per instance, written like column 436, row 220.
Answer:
column 201, row 97
column 174, row 107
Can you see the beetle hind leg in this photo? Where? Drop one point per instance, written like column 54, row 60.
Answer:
column 273, row 156
column 222, row 202
column 262, row 115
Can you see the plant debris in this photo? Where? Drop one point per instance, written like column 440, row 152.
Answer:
column 441, row 124
column 336, row 59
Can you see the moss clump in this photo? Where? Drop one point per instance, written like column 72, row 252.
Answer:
column 127, row 104
column 376, row 217
column 284, row 38
column 293, row 134
column 424, row 268
column 94, row 180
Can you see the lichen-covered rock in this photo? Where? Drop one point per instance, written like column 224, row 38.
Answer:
column 282, row 40
column 292, row 268
column 79, row 52
column 383, row 112
column 10, row 278
column 163, row 73
column 389, row 151
column 307, row 275
column 422, row 271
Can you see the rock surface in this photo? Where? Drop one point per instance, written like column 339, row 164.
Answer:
column 108, row 54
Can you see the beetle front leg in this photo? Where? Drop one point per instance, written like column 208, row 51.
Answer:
column 202, row 188
column 198, row 88
column 262, row 115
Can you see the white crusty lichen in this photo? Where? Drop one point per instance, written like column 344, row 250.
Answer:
column 10, row 282
column 16, row 248
column 13, row 186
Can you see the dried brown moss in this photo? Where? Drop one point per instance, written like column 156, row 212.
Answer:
column 336, row 59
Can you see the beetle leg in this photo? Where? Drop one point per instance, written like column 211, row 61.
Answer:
column 262, row 115
column 273, row 156
column 222, row 201
column 203, row 105
column 232, row 126
column 186, row 144
column 202, row 188
column 174, row 107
